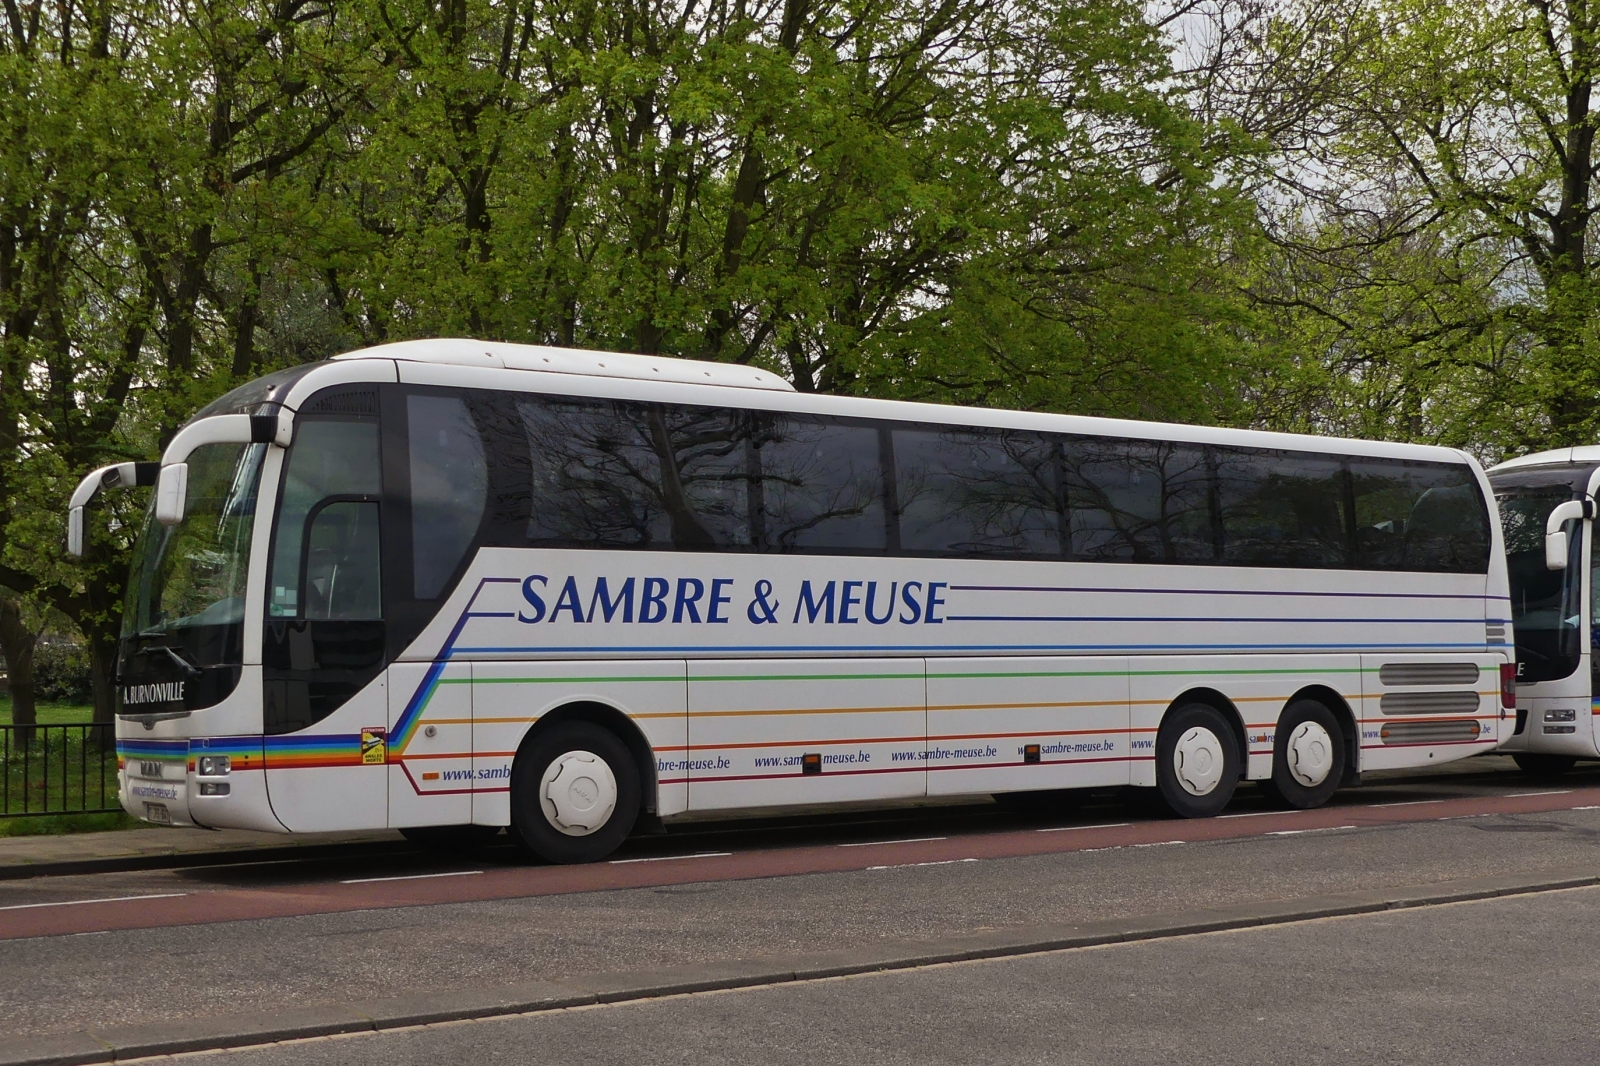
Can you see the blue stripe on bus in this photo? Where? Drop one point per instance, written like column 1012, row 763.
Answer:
column 1232, row 592
column 1174, row 618
column 917, row 649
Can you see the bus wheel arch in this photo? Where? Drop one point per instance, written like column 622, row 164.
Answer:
column 606, row 717
column 1313, row 749
column 1200, row 753
column 1345, row 716
column 576, row 790
column 1223, row 706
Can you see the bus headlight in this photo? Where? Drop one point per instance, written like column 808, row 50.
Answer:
column 214, row 765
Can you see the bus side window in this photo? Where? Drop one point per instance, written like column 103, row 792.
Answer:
column 342, row 579
column 1418, row 516
column 619, row 474
column 1281, row 508
column 449, row 487
column 329, row 458
column 1139, row 501
column 977, row 492
column 819, row 485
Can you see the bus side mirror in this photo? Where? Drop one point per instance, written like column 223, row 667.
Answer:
column 1555, row 538
column 115, row 476
column 1555, row 550
column 75, row 532
column 172, row 493
column 172, row 489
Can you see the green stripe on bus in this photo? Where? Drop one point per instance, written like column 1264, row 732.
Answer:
column 678, row 678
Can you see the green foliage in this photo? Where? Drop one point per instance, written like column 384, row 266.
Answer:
column 62, row 674
column 981, row 201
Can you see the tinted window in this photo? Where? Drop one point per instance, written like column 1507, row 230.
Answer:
column 1418, row 516
column 632, row 475
column 342, row 576
column 1138, row 501
column 817, row 485
column 1544, row 602
column 329, row 458
column 449, row 484
column 977, row 492
column 1281, row 508
column 572, row 472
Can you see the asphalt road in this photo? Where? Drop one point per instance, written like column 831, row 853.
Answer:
column 991, row 871
column 1512, row 980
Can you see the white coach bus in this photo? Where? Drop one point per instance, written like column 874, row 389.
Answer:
column 442, row 585
column 1547, row 506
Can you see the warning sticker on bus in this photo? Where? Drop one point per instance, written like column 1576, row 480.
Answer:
column 372, row 745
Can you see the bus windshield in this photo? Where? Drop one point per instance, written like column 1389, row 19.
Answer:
column 1545, row 606
column 193, row 574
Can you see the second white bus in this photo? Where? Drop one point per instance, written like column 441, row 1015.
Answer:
column 450, row 586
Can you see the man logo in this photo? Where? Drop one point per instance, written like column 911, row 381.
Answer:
column 148, row 768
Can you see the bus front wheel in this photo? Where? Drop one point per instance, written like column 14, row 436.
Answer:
column 1197, row 761
column 574, row 793
column 1308, row 756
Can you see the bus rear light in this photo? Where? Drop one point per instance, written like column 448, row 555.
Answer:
column 1508, row 686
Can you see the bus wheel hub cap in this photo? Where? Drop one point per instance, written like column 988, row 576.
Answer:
column 1198, row 761
column 1310, row 754
column 578, row 793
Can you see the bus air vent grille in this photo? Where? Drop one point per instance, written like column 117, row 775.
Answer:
column 1428, row 673
column 1429, row 703
column 362, row 400
column 1439, row 732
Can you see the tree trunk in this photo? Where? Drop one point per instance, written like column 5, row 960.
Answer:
column 17, row 642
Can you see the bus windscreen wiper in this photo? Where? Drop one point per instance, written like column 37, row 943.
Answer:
column 189, row 669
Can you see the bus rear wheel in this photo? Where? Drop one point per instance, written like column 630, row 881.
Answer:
column 1308, row 756
column 574, row 793
column 1542, row 766
column 1197, row 761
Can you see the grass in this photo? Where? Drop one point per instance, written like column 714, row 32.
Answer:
column 50, row 713
column 57, row 792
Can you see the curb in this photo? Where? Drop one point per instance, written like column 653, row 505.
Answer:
column 180, row 860
column 121, row 1043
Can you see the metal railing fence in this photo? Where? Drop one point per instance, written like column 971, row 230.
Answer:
column 58, row 769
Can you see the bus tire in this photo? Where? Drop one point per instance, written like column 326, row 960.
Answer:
column 1308, row 756
column 574, row 793
column 450, row 837
column 1543, row 766
column 1197, row 761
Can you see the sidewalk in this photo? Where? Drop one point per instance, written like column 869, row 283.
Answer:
column 152, row 848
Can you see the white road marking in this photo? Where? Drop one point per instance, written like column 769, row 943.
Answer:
column 1075, row 828
column 1258, row 814
column 1404, row 803
column 1583, row 808
column 911, row 865
column 78, row 902
column 669, row 858
column 1297, row 832
column 1552, row 792
column 409, row 877
column 877, row 843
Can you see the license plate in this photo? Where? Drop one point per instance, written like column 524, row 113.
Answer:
column 157, row 812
